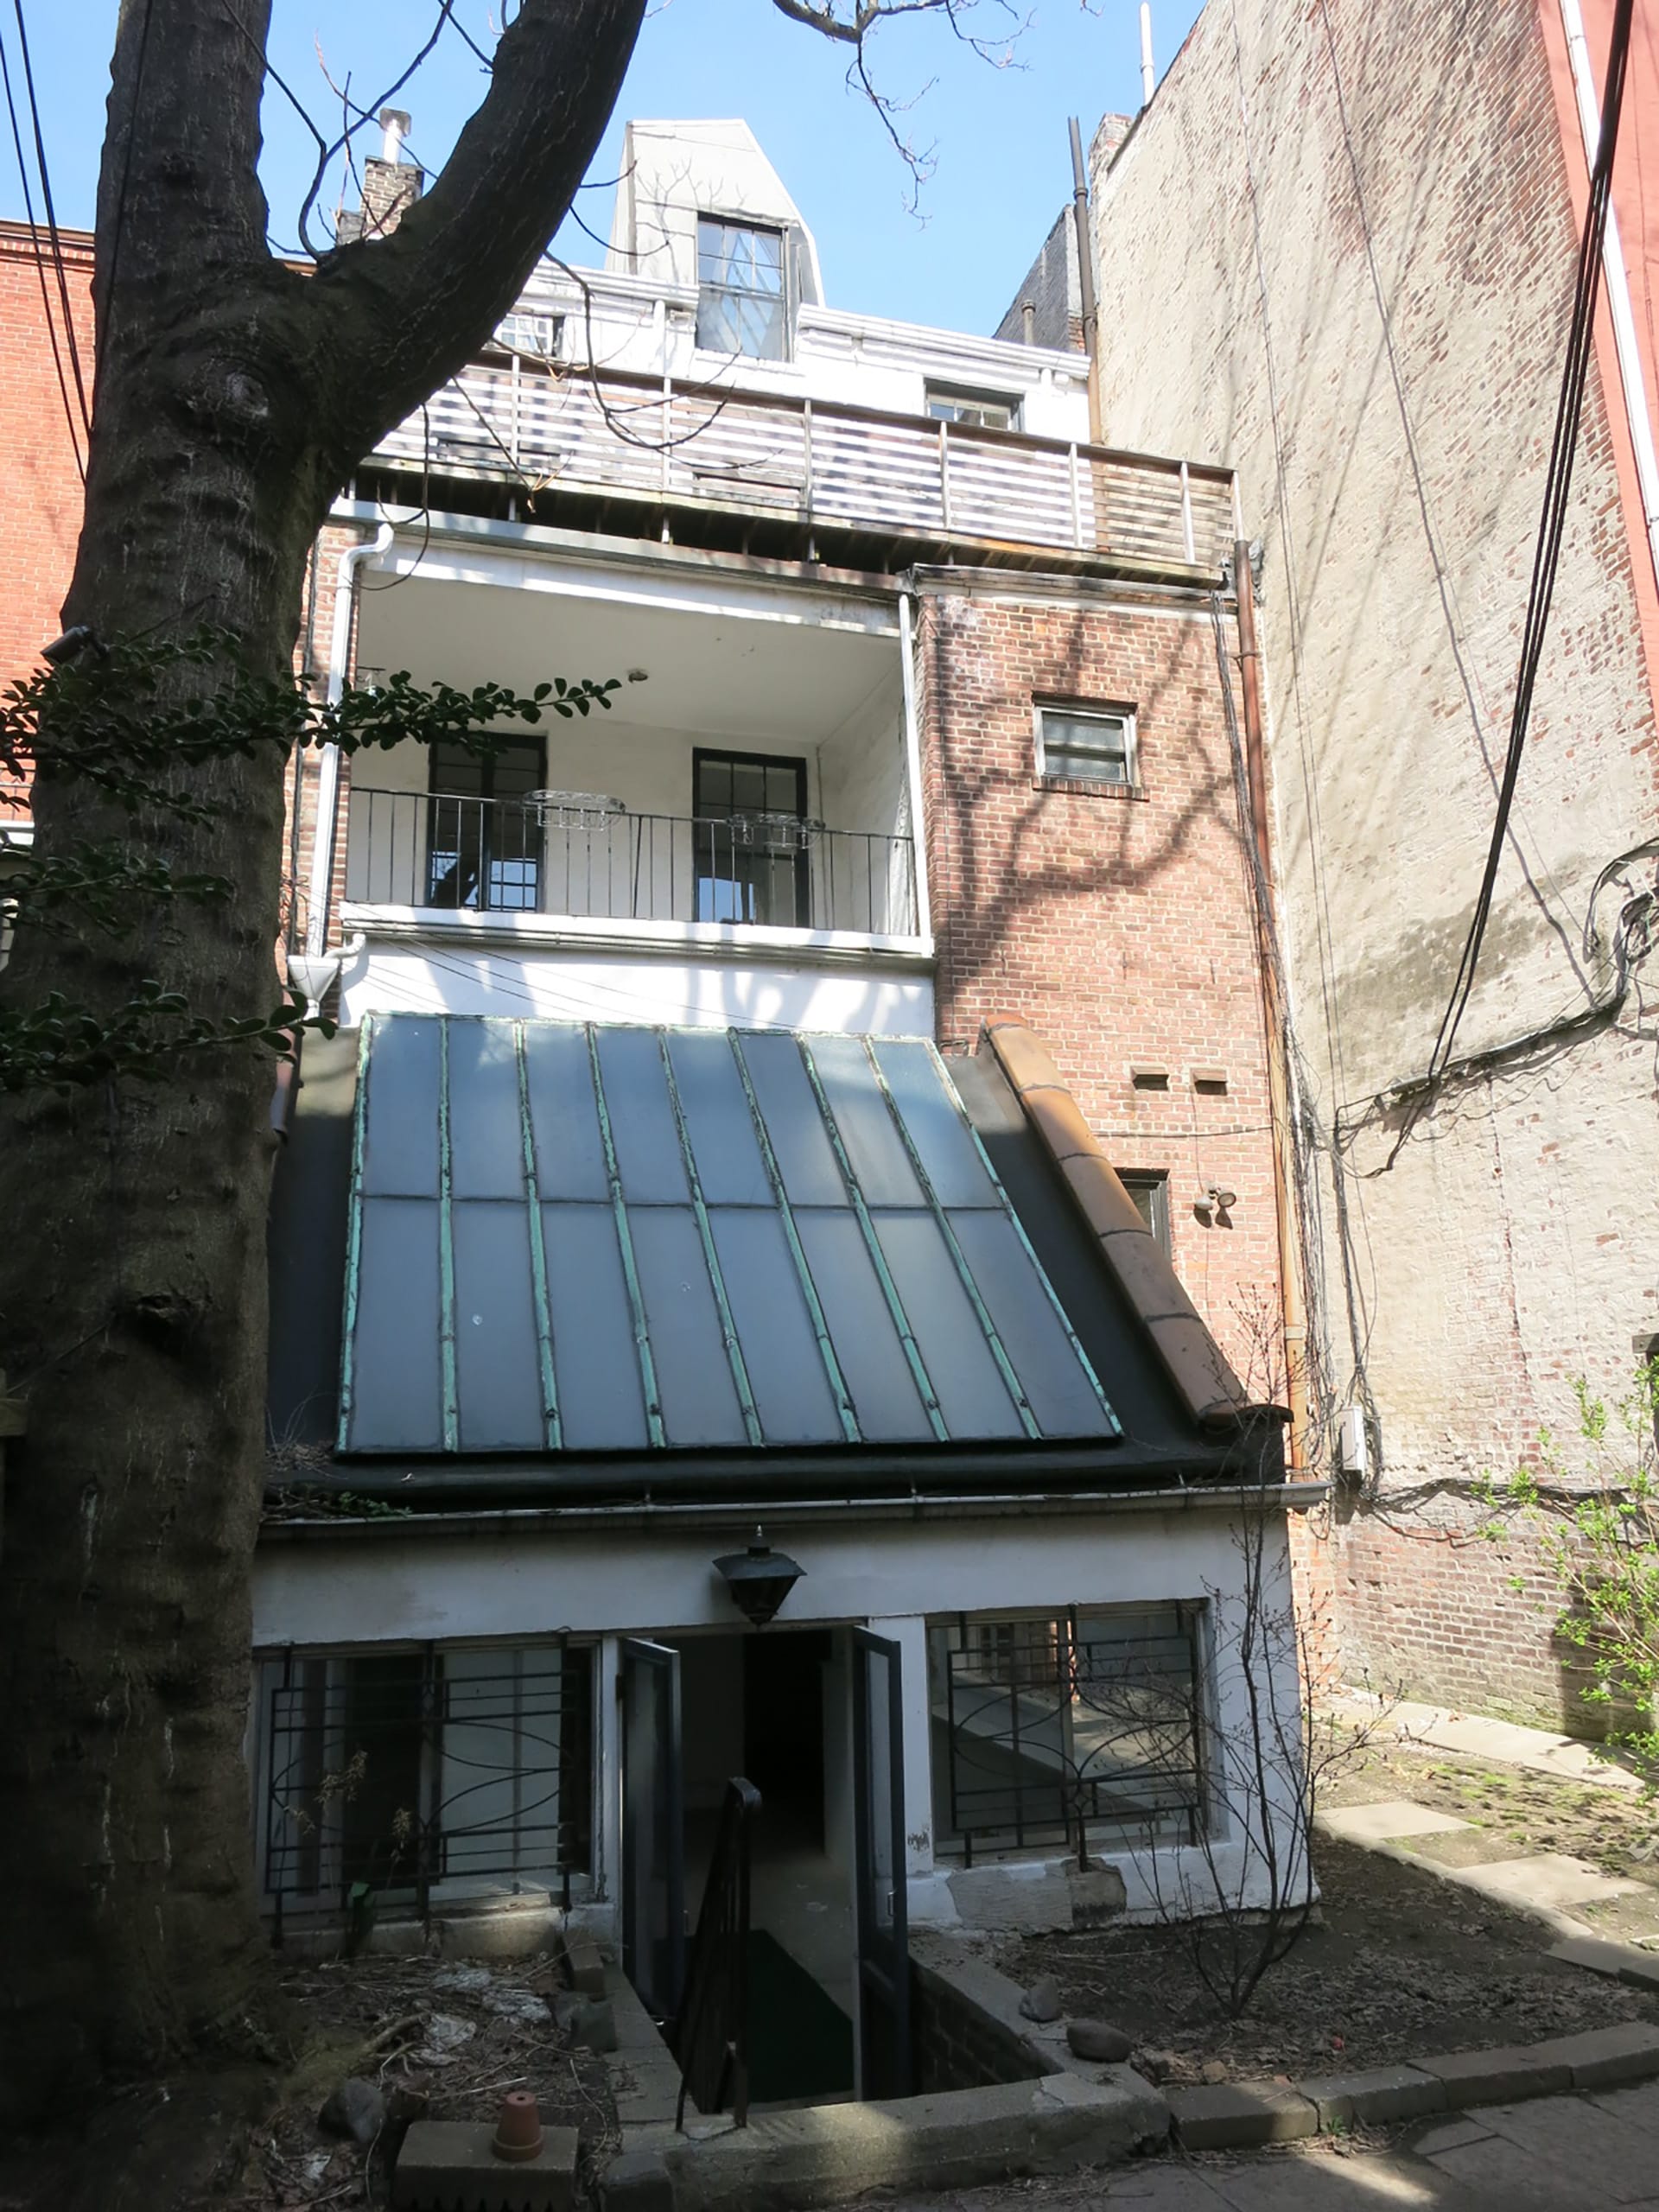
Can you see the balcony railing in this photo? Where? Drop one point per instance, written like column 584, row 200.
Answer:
column 567, row 854
column 821, row 462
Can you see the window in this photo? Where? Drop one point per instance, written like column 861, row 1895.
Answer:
column 751, row 837
column 984, row 411
column 539, row 335
column 1059, row 1730
column 742, row 289
column 409, row 1771
column 484, row 836
column 1150, row 1191
column 1091, row 745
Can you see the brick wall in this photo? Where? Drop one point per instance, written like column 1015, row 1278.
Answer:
column 40, row 484
column 1118, row 925
column 957, row 2045
column 1338, row 250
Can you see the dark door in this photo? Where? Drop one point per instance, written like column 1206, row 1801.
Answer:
column 881, row 1933
column 484, row 829
column 751, row 839
column 653, row 1834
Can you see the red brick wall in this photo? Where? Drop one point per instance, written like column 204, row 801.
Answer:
column 40, row 483
column 1120, row 926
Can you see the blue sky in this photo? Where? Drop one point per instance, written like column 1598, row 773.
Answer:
column 1003, row 169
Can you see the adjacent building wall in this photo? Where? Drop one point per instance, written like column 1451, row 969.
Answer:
column 1337, row 251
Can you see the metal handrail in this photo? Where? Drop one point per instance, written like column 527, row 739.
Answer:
column 711, row 2034
column 582, row 855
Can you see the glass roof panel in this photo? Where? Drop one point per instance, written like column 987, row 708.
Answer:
column 453, row 1290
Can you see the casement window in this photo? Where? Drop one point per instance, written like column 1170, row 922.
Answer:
column 742, row 289
column 484, row 836
column 453, row 1773
column 1150, row 1188
column 1059, row 1731
column 984, row 411
column 751, row 836
column 1087, row 745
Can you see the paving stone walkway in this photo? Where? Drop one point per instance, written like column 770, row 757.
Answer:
column 1554, row 2154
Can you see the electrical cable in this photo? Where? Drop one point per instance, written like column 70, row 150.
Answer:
column 51, row 218
column 40, row 264
column 1547, row 557
column 118, row 225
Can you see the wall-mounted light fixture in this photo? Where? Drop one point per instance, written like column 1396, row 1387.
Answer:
column 1213, row 1205
column 760, row 1578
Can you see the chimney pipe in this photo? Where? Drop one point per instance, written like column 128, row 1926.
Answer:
column 394, row 123
column 1148, row 74
column 1086, row 279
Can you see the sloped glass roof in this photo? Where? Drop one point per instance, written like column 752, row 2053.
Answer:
column 574, row 1237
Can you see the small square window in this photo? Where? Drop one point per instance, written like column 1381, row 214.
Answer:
column 979, row 410
column 1092, row 746
column 1150, row 1191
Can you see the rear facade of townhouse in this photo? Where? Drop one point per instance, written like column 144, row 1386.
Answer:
column 775, row 1275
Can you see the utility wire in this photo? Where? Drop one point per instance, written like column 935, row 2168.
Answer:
column 1547, row 557
column 52, row 216
column 40, row 264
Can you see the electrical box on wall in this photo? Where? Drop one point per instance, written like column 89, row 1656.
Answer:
column 1353, row 1445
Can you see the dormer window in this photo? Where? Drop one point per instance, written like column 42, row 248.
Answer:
column 979, row 410
column 742, row 289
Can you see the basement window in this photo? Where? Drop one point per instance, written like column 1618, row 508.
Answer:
column 1057, row 1731
column 425, row 1776
column 1078, row 745
column 742, row 289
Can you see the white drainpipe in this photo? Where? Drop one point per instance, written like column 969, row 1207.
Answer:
column 1618, row 289
column 1148, row 74
column 339, row 650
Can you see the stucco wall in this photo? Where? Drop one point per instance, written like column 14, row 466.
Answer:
column 1338, row 251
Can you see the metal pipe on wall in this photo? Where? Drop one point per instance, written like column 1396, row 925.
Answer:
column 340, row 648
column 1086, row 281
column 1290, row 1278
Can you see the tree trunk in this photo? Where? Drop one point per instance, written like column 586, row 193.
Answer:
column 232, row 397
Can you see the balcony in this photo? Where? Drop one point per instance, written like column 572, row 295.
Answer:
column 587, row 858
column 613, row 436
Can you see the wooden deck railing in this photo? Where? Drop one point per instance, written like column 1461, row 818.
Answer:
column 821, row 462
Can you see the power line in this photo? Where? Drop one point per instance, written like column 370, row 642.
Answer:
column 119, row 224
column 1547, row 558
column 40, row 264
column 52, row 216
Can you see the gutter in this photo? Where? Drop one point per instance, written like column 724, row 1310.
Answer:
column 339, row 650
column 1290, row 1497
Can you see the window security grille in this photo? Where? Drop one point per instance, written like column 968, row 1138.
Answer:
column 425, row 1776
column 742, row 290
column 1062, row 1730
column 1085, row 748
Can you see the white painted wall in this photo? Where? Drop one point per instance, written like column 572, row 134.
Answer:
column 347, row 1589
column 687, row 988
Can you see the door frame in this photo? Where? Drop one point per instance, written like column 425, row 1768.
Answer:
column 881, row 1982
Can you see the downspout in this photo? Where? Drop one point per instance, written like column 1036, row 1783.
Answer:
column 1618, row 288
column 339, row 650
column 1086, row 282
column 913, row 765
column 1295, row 1324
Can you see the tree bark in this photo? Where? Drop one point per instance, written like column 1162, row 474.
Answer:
column 233, row 396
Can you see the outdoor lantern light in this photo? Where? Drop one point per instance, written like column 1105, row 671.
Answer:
column 760, row 1578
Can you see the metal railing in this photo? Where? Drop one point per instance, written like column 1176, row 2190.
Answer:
column 711, row 2037
column 563, row 853
column 409, row 1773
column 612, row 433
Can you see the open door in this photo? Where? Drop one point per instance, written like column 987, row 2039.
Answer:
column 880, row 1919
column 653, row 1829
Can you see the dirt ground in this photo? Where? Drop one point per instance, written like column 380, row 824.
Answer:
column 454, row 2034
column 1401, row 1964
